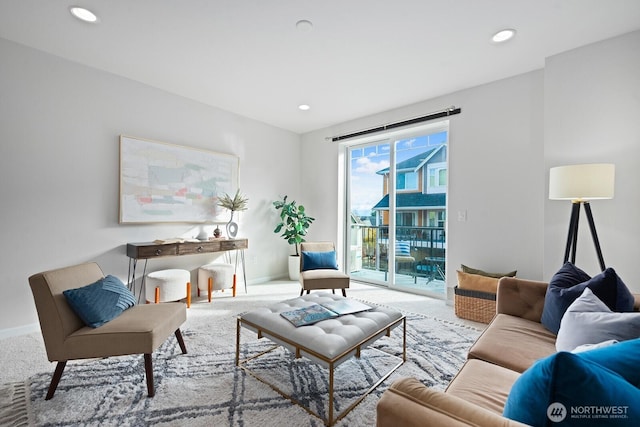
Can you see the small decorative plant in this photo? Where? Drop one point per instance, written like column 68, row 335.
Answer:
column 237, row 203
column 294, row 222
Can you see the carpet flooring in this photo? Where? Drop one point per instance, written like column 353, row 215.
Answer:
column 205, row 388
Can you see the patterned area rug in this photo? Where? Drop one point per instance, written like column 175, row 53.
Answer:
column 204, row 387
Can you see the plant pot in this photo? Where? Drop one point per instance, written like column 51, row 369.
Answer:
column 294, row 267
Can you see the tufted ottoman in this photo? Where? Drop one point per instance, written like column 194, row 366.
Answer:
column 328, row 343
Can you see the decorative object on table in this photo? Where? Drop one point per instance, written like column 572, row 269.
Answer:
column 217, row 232
column 237, row 203
column 581, row 184
column 190, row 170
column 294, row 223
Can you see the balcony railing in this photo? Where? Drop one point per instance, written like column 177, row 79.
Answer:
column 370, row 250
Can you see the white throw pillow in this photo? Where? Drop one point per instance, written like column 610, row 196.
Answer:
column 589, row 321
column 587, row 347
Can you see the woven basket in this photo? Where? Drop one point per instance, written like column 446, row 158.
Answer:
column 475, row 305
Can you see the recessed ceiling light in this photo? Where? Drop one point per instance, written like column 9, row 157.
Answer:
column 83, row 14
column 503, row 35
column 303, row 107
column 304, row 26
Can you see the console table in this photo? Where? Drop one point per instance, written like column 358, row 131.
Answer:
column 150, row 250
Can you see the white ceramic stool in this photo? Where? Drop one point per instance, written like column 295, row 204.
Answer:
column 168, row 285
column 214, row 277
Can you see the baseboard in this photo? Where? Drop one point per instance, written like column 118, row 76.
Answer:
column 20, row 330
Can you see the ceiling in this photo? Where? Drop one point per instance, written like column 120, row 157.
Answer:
column 361, row 57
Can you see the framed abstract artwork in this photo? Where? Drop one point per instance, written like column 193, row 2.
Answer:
column 162, row 182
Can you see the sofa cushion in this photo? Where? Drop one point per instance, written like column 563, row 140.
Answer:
column 477, row 282
column 566, row 386
column 101, row 301
column 471, row 270
column 484, row 384
column 408, row 402
column 513, row 343
column 589, row 321
column 569, row 282
column 319, row 260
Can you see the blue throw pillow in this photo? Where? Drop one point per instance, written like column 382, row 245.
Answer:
column 403, row 248
column 319, row 260
column 569, row 283
column 100, row 302
column 622, row 358
column 568, row 389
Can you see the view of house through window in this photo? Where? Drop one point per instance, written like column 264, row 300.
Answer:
column 397, row 205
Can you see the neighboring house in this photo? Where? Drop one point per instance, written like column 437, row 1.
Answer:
column 421, row 185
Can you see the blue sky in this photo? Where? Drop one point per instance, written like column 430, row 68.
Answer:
column 366, row 185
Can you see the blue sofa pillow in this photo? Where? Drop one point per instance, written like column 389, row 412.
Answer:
column 569, row 283
column 570, row 389
column 622, row 358
column 100, row 302
column 319, row 260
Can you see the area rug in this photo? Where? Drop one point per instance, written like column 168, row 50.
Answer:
column 205, row 388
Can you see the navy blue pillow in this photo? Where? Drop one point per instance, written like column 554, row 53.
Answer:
column 319, row 260
column 569, row 389
column 569, row 283
column 100, row 302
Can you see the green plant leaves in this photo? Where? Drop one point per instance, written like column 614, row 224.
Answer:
column 294, row 221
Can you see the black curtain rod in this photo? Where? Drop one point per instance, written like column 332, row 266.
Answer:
column 444, row 113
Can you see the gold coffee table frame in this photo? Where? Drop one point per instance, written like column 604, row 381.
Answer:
column 331, row 362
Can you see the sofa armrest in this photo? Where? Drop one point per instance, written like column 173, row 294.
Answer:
column 409, row 403
column 521, row 298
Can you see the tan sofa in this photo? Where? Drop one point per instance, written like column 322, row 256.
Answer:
column 513, row 340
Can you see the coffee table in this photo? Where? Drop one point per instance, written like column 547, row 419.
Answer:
column 327, row 343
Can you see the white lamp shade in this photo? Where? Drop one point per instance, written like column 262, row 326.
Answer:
column 582, row 182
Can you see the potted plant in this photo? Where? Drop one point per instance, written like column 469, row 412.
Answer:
column 237, row 203
column 294, row 223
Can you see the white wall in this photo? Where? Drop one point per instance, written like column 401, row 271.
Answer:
column 59, row 127
column 59, row 171
column 592, row 115
column 582, row 107
column 495, row 166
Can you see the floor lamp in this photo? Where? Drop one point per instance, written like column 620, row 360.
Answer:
column 581, row 184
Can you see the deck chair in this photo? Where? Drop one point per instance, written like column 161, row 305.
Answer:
column 140, row 329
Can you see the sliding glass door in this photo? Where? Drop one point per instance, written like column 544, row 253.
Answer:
column 396, row 200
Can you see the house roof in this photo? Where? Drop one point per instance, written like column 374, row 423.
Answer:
column 414, row 163
column 414, row 201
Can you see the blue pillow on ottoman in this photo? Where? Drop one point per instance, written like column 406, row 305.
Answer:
column 568, row 389
column 100, row 302
column 569, row 283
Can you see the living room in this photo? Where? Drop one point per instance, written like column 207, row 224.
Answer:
column 61, row 123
